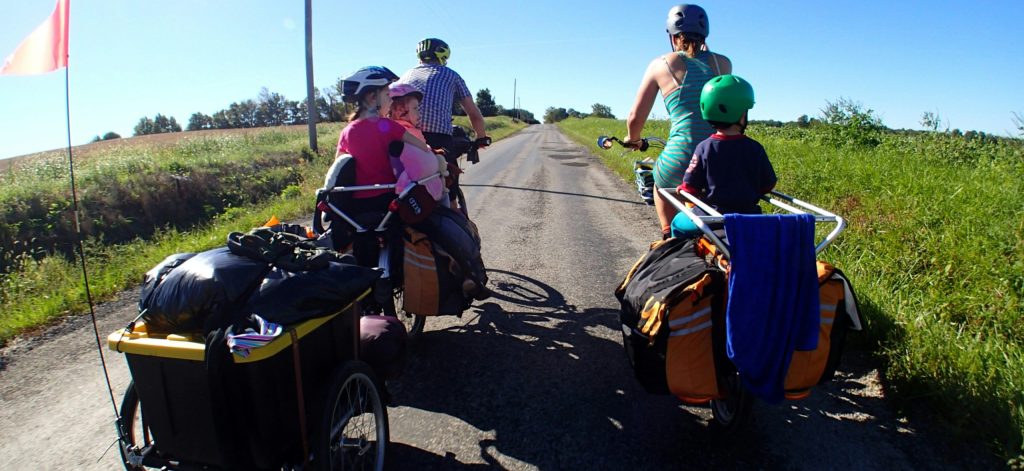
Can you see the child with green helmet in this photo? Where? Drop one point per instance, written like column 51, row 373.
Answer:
column 729, row 170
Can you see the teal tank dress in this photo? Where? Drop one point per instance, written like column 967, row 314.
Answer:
column 688, row 127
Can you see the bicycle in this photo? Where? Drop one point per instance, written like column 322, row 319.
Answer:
column 462, row 145
column 643, row 170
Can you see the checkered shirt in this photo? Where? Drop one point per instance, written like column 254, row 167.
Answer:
column 441, row 86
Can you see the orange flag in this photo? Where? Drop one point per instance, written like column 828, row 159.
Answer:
column 45, row 50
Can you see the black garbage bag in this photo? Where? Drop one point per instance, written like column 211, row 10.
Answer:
column 286, row 297
column 203, row 293
column 156, row 275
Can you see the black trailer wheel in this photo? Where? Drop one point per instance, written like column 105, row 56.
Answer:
column 134, row 434
column 731, row 414
column 354, row 431
column 414, row 323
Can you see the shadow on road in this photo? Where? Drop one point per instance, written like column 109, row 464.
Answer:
column 551, row 381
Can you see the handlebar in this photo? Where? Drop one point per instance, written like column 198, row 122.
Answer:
column 605, row 142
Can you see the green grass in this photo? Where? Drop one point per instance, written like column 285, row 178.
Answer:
column 934, row 249
column 52, row 286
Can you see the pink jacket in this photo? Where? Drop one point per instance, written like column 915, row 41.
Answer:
column 420, row 164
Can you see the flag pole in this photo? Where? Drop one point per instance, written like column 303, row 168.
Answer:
column 78, row 237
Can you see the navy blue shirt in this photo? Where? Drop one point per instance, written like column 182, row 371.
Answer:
column 730, row 173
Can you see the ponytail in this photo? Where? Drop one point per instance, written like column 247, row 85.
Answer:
column 361, row 106
column 692, row 43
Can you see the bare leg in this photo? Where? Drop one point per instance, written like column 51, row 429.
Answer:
column 666, row 211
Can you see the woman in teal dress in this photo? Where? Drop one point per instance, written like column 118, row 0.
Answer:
column 679, row 76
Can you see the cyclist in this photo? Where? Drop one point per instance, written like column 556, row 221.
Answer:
column 441, row 87
column 679, row 76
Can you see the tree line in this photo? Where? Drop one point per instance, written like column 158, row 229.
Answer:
column 597, row 110
column 274, row 109
column 488, row 107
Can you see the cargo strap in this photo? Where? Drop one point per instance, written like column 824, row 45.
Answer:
column 301, row 398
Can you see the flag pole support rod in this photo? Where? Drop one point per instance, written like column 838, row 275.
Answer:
column 80, row 245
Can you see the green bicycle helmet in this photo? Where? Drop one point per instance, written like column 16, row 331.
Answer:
column 725, row 98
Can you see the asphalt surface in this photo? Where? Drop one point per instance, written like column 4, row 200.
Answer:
column 533, row 378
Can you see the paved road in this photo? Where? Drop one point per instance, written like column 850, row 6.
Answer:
column 534, row 378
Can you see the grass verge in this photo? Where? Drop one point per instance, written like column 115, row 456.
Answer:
column 52, row 286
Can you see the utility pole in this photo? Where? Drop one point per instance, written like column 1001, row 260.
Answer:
column 514, row 83
column 311, row 113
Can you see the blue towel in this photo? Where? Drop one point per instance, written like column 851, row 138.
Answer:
column 773, row 297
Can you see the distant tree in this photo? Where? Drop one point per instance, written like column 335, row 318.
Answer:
column 160, row 123
column 518, row 113
column 322, row 107
column 336, row 106
column 221, row 120
column 575, row 114
column 270, row 109
column 199, row 121
column 296, row 112
column 1018, row 122
column 111, row 135
column 931, row 121
column 846, row 112
column 601, row 111
column 554, row 115
column 96, row 139
column 485, row 102
column 144, row 126
column 803, row 121
column 247, row 113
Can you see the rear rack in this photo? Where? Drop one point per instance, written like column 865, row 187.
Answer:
column 377, row 186
column 778, row 199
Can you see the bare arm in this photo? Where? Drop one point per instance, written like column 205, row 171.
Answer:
column 408, row 138
column 642, row 104
column 475, row 117
column 724, row 64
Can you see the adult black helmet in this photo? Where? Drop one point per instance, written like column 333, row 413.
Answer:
column 687, row 19
column 433, row 50
column 362, row 79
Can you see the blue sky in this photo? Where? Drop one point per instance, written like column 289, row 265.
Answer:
column 131, row 59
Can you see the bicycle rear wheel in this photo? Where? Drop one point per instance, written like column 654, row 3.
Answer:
column 460, row 197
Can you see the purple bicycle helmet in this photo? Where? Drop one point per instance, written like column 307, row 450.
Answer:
column 687, row 18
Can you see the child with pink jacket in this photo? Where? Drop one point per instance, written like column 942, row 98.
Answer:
column 417, row 164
